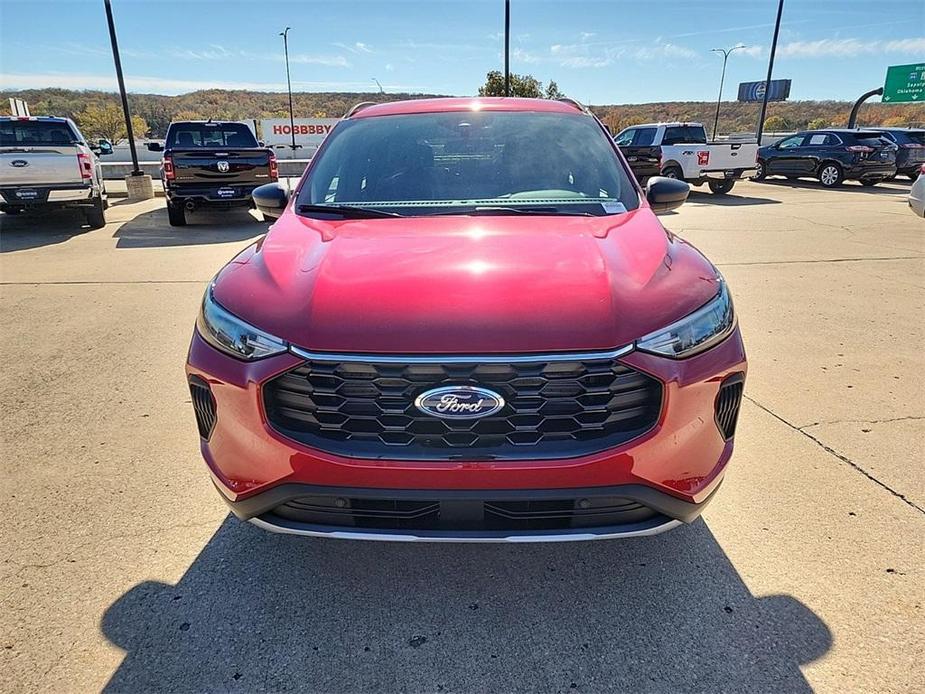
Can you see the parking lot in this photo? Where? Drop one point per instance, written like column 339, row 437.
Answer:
column 121, row 568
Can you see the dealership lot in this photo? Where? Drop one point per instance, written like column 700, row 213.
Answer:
column 121, row 568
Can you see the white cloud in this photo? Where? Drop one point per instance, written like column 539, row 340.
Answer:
column 593, row 55
column 579, row 61
column 356, row 48
column 843, row 48
column 521, row 56
column 585, row 35
column 752, row 51
column 212, row 52
column 326, row 60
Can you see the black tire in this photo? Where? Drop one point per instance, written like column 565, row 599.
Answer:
column 721, row 187
column 868, row 182
column 176, row 215
column 761, row 175
column 96, row 215
column 673, row 172
column 831, row 175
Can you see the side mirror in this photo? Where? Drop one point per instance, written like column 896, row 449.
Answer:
column 105, row 148
column 665, row 194
column 271, row 199
column 155, row 147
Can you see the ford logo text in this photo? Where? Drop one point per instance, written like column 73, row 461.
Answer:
column 459, row 402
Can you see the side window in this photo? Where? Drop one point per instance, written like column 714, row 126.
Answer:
column 790, row 142
column 625, row 138
column 820, row 140
column 645, row 137
column 673, row 136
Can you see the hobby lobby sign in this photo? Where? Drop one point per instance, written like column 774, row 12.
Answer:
column 309, row 132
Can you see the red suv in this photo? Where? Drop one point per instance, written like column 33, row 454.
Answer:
column 467, row 324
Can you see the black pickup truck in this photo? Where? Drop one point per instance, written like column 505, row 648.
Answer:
column 211, row 163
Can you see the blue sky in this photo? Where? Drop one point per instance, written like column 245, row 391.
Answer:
column 607, row 51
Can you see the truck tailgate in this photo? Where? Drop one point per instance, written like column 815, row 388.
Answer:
column 723, row 156
column 224, row 167
column 39, row 166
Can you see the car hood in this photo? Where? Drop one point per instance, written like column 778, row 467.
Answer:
column 476, row 285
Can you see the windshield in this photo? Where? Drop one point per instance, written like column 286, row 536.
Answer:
column 465, row 162
column 210, row 135
column 35, row 133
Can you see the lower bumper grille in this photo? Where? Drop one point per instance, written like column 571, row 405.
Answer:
column 553, row 408
column 727, row 405
column 203, row 406
column 468, row 515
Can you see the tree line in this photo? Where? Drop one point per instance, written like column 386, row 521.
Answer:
column 99, row 114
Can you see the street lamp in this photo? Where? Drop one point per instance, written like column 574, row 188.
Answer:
column 381, row 90
column 726, row 53
column 507, row 47
column 285, row 35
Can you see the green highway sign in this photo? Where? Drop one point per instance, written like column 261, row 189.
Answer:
column 904, row 83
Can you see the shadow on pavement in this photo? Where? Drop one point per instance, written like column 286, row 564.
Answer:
column 151, row 229
column 729, row 200
column 269, row 612
column 896, row 187
column 24, row 231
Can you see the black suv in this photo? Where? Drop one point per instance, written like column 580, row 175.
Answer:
column 911, row 153
column 831, row 156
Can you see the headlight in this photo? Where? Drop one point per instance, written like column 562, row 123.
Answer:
column 231, row 335
column 695, row 333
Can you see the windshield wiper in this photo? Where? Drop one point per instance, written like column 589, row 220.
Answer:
column 513, row 209
column 352, row 211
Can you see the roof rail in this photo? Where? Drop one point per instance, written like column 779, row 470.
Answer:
column 359, row 107
column 574, row 102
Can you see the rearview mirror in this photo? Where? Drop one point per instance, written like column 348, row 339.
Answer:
column 665, row 194
column 271, row 199
column 155, row 147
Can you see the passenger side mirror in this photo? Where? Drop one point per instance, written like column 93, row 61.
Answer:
column 665, row 194
column 155, row 147
column 271, row 199
column 104, row 148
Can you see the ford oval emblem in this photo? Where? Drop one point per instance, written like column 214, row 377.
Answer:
column 459, row 402
column 19, row 163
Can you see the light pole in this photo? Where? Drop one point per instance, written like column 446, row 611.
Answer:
column 726, row 53
column 136, row 171
column 767, row 83
column 381, row 90
column 507, row 47
column 285, row 35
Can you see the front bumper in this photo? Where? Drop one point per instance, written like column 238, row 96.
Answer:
column 678, row 464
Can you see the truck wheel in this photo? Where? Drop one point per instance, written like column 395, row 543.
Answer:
column 176, row 215
column 830, row 175
column 721, row 187
column 673, row 172
column 96, row 215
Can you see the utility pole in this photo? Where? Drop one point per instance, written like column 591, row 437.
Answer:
column 285, row 35
column 381, row 90
column 507, row 47
column 136, row 171
column 767, row 83
column 726, row 53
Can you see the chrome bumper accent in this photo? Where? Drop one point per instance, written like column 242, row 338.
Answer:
column 65, row 195
column 721, row 175
column 605, row 533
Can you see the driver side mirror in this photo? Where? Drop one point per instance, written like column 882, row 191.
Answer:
column 271, row 199
column 665, row 194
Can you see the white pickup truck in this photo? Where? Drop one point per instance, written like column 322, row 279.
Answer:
column 45, row 163
column 681, row 150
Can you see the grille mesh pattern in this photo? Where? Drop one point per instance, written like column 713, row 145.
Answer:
column 553, row 408
column 727, row 405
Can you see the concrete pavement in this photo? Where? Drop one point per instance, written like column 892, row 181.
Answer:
column 121, row 570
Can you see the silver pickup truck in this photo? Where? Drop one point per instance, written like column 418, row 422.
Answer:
column 45, row 163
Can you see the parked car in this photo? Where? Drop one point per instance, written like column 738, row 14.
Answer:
column 911, row 153
column 211, row 163
column 47, row 164
column 831, row 156
column 917, row 194
column 468, row 324
column 681, row 150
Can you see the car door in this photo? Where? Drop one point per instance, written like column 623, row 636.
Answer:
column 816, row 148
column 642, row 156
column 785, row 156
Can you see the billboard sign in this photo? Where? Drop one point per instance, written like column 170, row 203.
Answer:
column 904, row 84
column 309, row 132
column 754, row 91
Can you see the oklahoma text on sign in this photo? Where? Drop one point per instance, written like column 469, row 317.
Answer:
column 309, row 132
column 904, row 83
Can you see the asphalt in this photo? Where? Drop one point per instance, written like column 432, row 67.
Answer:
column 120, row 569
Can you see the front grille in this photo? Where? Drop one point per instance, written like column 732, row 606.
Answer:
column 552, row 408
column 727, row 405
column 203, row 406
column 470, row 514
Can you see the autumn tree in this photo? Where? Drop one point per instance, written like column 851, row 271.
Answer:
column 521, row 85
column 776, row 124
column 552, row 91
column 106, row 121
column 818, row 124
